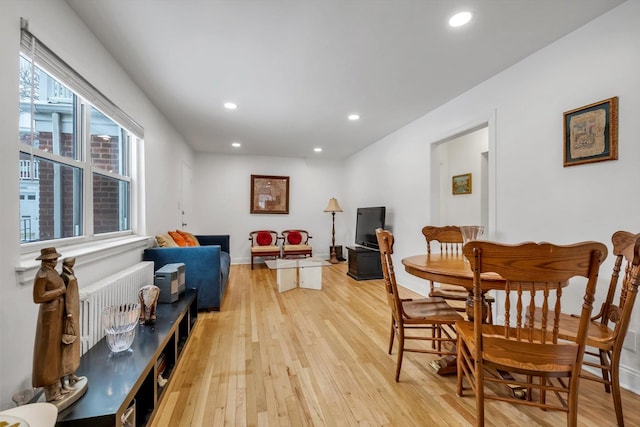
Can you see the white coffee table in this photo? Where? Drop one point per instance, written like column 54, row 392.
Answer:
column 301, row 272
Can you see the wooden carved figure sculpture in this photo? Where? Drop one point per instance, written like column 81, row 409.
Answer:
column 148, row 296
column 48, row 291
column 71, row 325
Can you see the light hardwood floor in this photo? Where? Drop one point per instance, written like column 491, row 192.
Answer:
column 319, row 358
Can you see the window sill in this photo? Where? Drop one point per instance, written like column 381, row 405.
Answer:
column 84, row 253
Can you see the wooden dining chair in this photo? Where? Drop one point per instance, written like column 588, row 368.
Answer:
column 536, row 275
column 264, row 244
column 448, row 240
column 412, row 315
column 296, row 243
column 608, row 328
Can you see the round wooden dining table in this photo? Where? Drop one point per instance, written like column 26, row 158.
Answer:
column 455, row 270
column 452, row 269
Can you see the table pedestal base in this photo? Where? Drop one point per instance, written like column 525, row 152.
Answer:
column 445, row 366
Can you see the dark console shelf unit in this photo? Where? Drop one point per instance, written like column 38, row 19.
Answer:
column 118, row 382
column 364, row 263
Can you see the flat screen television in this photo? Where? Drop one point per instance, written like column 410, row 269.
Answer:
column 367, row 220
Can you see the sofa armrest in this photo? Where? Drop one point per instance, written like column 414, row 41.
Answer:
column 210, row 239
column 203, row 270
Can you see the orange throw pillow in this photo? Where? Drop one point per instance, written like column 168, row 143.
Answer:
column 189, row 238
column 178, row 238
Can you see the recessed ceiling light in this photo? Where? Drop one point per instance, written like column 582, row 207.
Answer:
column 317, row 149
column 230, row 106
column 236, row 144
column 353, row 117
column 459, row 19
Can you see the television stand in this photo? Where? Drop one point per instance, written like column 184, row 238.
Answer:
column 364, row 263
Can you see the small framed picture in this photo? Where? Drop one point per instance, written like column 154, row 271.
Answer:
column 461, row 184
column 269, row 194
column 591, row 133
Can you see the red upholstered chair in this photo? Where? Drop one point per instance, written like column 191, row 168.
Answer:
column 264, row 244
column 295, row 243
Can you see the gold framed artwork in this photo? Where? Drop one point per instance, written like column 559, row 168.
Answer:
column 461, row 184
column 269, row 194
column 591, row 133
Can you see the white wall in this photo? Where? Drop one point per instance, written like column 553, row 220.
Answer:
column 222, row 186
column 58, row 27
column 536, row 198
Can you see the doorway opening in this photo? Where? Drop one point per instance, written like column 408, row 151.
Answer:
column 467, row 151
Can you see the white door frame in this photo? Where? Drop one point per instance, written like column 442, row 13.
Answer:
column 488, row 176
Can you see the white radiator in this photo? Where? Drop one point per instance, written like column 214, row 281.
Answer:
column 119, row 288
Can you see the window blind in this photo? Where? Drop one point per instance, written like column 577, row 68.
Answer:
column 53, row 64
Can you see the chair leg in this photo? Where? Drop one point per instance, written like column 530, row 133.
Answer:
column 392, row 334
column 615, row 388
column 479, row 378
column 467, row 361
column 252, row 262
column 572, row 405
column 400, row 352
column 433, row 338
column 460, row 369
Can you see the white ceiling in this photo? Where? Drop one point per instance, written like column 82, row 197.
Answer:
column 297, row 68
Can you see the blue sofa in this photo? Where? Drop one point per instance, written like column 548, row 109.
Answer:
column 207, row 267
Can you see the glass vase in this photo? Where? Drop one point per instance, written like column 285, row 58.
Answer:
column 119, row 322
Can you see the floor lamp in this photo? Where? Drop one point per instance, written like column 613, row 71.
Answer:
column 333, row 207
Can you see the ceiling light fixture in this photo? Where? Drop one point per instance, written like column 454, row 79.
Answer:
column 317, row 150
column 230, row 106
column 459, row 19
column 236, row 144
column 353, row 117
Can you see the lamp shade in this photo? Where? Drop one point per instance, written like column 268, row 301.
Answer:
column 333, row 206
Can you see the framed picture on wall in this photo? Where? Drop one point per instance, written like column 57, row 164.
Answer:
column 591, row 133
column 461, row 184
column 269, row 194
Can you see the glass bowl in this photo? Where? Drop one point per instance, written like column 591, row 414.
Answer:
column 119, row 323
column 471, row 232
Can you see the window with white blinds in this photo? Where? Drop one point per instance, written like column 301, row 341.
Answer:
column 76, row 150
